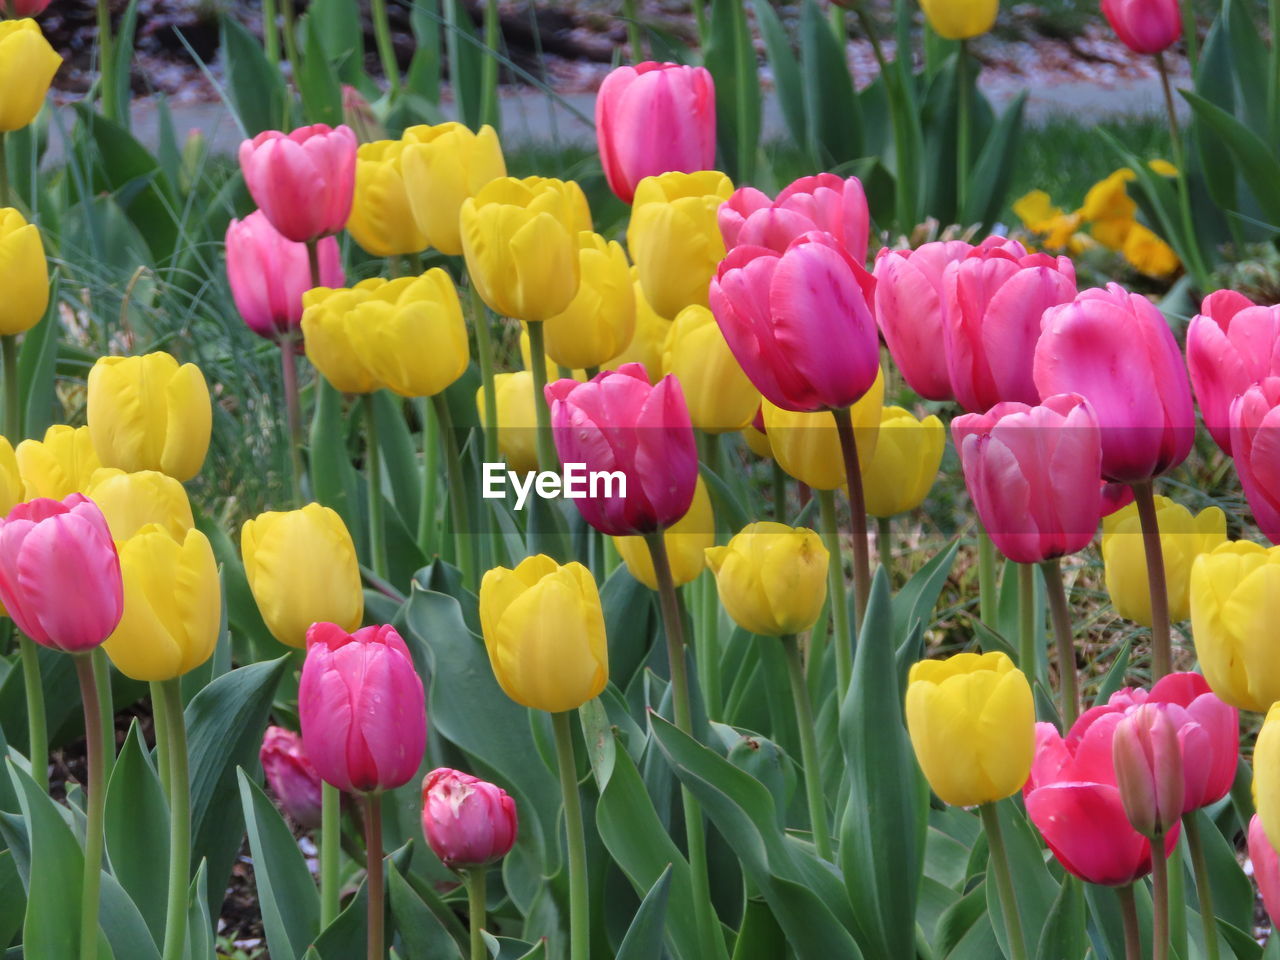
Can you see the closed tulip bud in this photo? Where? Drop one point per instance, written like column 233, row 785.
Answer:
column 799, row 322
column 960, row 19
column 269, row 274
column 11, row 485
column 544, row 631
column 149, row 413
column 359, row 115
column 686, row 540
column 291, row 776
column 908, row 453
column 807, row 446
column 467, row 821
column 674, row 239
column 59, row 573
column 972, row 723
column 520, row 239
column 24, row 273
column 362, row 708
column 303, row 181
column 618, row 423
column 720, row 396
column 1148, row 762
column 772, row 578
column 600, row 320
column 649, row 339
column 172, row 605
column 652, row 119
column 131, row 501
column 517, row 419
column 824, row 202
column 327, row 316
column 381, row 220
column 1144, row 26
column 301, row 566
column 733, row 213
column 1254, row 416
column 1032, row 474
column 1231, row 345
column 1115, row 349
column 443, row 165
column 27, row 66
column 1266, row 868
column 1183, row 537
column 62, row 463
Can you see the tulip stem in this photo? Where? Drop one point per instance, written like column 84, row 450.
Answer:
column 377, row 528
column 835, row 593
column 459, row 502
column 430, row 478
column 476, row 911
column 290, row 41
column 270, row 32
column 709, row 644
column 1159, row 899
column 106, row 63
column 37, row 728
column 330, row 848
column 537, row 360
column 96, row 803
column 160, row 727
column 106, row 708
column 484, row 351
column 1161, row 644
column 489, row 110
column 293, row 408
column 386, row 49
column 1129, row 916
column 1060, row 613
column 1191, row 248
column 579, row 905
column 999, row 861
column 373, row 875
column 963, row 132
column 1208, row 919
column 1027, row 654
column 175, row 932
column 12, row 389
column 808, row 749
column 632, row 17
column 986, row 576
column 5, row 200
column 884, row 545
column 857, row 515
column 779, row 485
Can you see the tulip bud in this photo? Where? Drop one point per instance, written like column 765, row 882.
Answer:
column 719, row 395
column 601, row 319
column 131, row 501
column 1148, row 764
column 960, row 19
column 807, row 446
column 381, row 220
column 772, row 578
column 906, row 458
column 291, row 776
column 467, row 822
column 686, row 540
column 362, row 708
column 11, row 486
column 1266, row 868
column 27, row 66
column 1231, row 345
column 303, row 181
column 517, row 419
column 443, row 165
column 648, row 341
column 24, row 273
column 358, row 114
column 544, row 631
column 1144, row 26
column 61, row 464
column 1253, row 417
column 149, row 413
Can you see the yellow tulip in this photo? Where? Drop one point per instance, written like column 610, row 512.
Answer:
column 960, row 19
column 649, row 338
column 61, row 464
column 807, row 446
column 172, row 605
column 972, row 724
column 772, row 578
column 131, row 501
column 1235, row 604
column 1182, row 538
column 520, row 239
column 898, row 475
column 601, row 319
column 381, row 220
column 301, row 566
column 443, row 165
column 149, row 413
column 11, row 487
column 544, row 630
column 1266, row 774
column 27, row 66
column 687, row 540
column 24, row 273
column 757, row 441
column 674, row 237
column 719, row 395
column 517, row 419
column 325, row 321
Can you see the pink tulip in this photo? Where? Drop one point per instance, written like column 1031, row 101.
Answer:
column 1255, row 446
column 269, row 274
column 1115, row 349
column 60, row 574
column 1231, row 345
column 823, row 202
column 617, row 421
column 23, row 8
column 798, row 322
column 1266, row 868
column 1144, row 26
column 303, row 181
column 733, row 213
column 291, row 776
column 363, row 713
column 994, row 300
column 467, row 822
column 1032, row 474
column 655, row 118
column 1148, row 762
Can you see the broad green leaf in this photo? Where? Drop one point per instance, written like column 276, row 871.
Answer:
column 333, row 479
column 993, row 170
column 1248, row 66
column 37, row 368
column 199, row 926
column 759, row 936
column 423, row 935
column 317, row 79
column 786, row 72
column 1258, row 166
column 137, row 831
column 644, row 938
column 731, row 58
column 336, row 25
column 256, row 88
column 1232, row 891
column 399, row 461
column 13, row 897
column 465, row 52
column 831, row 108
column 123, row 63
column 915, row 600
column 1035, row 889
column 1063, row 936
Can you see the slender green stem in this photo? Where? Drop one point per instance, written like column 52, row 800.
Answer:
column 537, row 359
column 999, row 860
column 700, row 21
column 5, row 189
column 330, row 848
column 884, row 545
column 986, row 577
column 899, row 116
column 175, row 929
column 1190, row 35
column 838, row 29
column 709, row 645
column 857, row 517
column 1129, row 916
column 1204, row 888
column 459, row 502
column 1028, row 655
column 476, row 906
column 1161, row 643
column 1060, row 613
column 96, row 802
column 377, row 528
column 709, row 448
column 579, row 904
column 290, row 38
column 106, row 708
column 160, row 725
column 12, row 389
column 808, row 749
column 634, row 39
column 430, row 478
column 386, row 49
column 489, row 112
column 270, row 32
column 37, row 728
column 1195, row 263
column 106, row 63
column 963, row 132
column 484, row 351
column 835, row 593
column 591, row 372
column 1159, row 900
column 373, row 876
column 778, row 483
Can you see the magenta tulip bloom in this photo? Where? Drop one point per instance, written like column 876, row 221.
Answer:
column 303, row 181
column 291, row 776
column 799, row 323
column 1266, row 868
column 1231, row 345
column 467, row 822
column 655, row 118
column 60, row 574
column 1148, row 762
column 1115, row 349
column 1033, row 475
column 618, row 422
column 733, row 213
column 269, row 274
column 824, row 202
column 363, row 713
column 994, row 300
column 1255, row 447
column 28, row 8
column 1144, row 26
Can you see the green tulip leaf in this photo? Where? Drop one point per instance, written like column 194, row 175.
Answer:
column 423, row 936
column 137, row 831
column 644, row 936
column 255, row 87
column 1063, row 936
